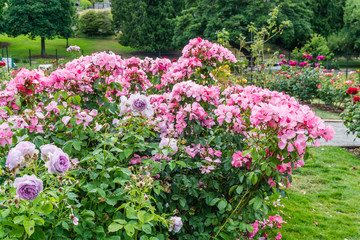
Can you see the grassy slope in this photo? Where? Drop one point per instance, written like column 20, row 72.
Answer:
column 326, row 115
column 331, row 198
column 20, row 46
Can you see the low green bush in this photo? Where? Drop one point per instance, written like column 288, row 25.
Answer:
column 96, row 23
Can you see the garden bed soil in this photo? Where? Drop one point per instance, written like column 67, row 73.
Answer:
column 324, row 107
column 355, row 151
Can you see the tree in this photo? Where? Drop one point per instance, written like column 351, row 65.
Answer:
column 352, row 23
column 328, row 16
column 235, row 15
column 200, row 20
column 145, row 24
column 96, row 23
column 44, row 18
column 2, row 7
column 300, row 28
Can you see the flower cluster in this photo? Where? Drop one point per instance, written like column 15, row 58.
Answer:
column 73, row 48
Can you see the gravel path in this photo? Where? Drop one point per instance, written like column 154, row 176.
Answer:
column 340, row 139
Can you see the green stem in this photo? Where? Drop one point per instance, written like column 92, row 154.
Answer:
column 232, row 213
column 25, row 236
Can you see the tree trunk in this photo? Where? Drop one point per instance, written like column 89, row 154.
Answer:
column 43, row 47
column 67, row 42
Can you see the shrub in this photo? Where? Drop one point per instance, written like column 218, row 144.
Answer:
column 96, row 23
column 316, row 46
column 300, row 82
column 351, row 114
column 84, row 4
column 158, row 148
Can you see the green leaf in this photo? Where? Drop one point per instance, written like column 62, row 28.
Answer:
column 239, row 189
column 29, row 226
column 65, row 225
column 141, row 216
column 126, row 171
column 131, row 213
column 128, row 152
column 130, row 229
column 121, row 221
column 38, row 219
column 113, row 107
column 77, row 145
column 214, row 201
column 5, row 213
column 181, row 163
column 182, row 202
column 47, row 208
column 101, row 192
column 114, row 227
column 222, row 204
column 19, row 219
column 146, row 228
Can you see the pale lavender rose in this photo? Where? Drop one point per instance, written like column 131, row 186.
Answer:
column 73, row 48
column 27, row 148
column 47, row 149
column 15, row 159
column 18, row 155
column 58, row 162
column 28, row 187
column 169, row 142
column 140, row 104
column 66, row 120
column 124, row 108
column 175, row 224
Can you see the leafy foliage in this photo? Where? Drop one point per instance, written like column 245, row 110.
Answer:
column 96, row 23
column 43, row 18
column 145, row 24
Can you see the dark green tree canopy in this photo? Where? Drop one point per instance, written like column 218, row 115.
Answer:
column 145, row 24
column 327, row 16
column 198, row 19
column 2, row 7
column 44, row 18
column 96, row 23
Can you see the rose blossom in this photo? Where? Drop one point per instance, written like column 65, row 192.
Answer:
column 175, row 224
column 58, row 162
column 17, row 155
column 138, row 104
column 169, row 142
column 47, row 149
column 28, row 187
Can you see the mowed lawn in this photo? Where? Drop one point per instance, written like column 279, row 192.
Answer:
column 324, row 199
column 19, row 46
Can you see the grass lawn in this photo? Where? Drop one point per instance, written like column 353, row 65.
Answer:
column 323, row 200
column 326, row 115
column 19, row 48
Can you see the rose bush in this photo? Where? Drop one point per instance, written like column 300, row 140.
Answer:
column 307, row 83
column 147, row 149
column 351, row 114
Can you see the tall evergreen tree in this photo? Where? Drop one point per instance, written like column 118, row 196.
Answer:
column 2, row 7
column 300, row 29
column 328, row 16
column 198, row 19
column 44, row 18
column 145, row 24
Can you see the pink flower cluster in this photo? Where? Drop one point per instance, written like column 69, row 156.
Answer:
column 239, row 160
column 207, row 51
column 272, row 222
column 209, row 156
column 307, row 56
